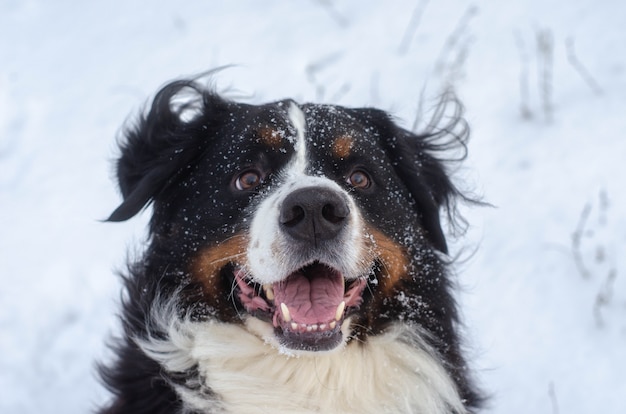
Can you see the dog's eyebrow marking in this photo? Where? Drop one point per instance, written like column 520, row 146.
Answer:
column 271, row 137
column 296, row 116
column 342, row 146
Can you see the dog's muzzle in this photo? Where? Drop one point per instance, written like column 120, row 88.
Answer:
column 310, row 275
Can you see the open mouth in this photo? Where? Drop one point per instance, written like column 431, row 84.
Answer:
column 307, row 308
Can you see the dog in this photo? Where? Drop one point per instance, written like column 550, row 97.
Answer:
column 296, row 262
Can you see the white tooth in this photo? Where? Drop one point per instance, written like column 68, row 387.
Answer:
column 309, row 328
column 294, row 326
column 332, row 325
column 269, row 292
column 285, row 310
column 340, row 309
column 322, row 326
column 314, row 327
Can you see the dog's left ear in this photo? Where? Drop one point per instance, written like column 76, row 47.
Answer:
column 155, row 152
column 415, row 162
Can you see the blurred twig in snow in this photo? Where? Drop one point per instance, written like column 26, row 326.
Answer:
column 580, row 68
column 553, row 400
column 545, row 57
column 338, row 17
column 524, row 75
column 604, row 296
column 343, row 90
column 577, row 239
column 314, row 68
column 455, row 69
column 458, row 41
column 604, row 206
column 416, row 16
column 583, row 229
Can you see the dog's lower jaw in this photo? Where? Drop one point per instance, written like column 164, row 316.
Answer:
column 266, row 332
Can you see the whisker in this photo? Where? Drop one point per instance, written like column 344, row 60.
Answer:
column 231, row 295
column 227, row 258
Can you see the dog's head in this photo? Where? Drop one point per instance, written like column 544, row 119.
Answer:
column 310, row 225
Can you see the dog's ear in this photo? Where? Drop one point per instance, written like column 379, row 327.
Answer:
column 415, row 161
column 427, row 180
column 155, row 151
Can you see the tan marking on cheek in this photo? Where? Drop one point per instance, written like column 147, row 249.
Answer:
column 271, row 137
column 206, row 266
column 342, row 146
column 395, row 263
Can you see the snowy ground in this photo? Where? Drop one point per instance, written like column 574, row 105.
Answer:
column 544, row 84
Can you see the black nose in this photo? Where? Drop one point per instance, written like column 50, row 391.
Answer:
column 314, row 214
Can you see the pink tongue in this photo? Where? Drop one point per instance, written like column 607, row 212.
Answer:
column 312, row 295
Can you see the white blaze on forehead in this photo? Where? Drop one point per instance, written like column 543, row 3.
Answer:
column 296, row 117
column 270, row 255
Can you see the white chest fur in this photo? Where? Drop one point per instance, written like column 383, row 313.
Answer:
column 391, row 373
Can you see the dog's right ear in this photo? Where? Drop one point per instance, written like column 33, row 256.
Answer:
column 155, row 151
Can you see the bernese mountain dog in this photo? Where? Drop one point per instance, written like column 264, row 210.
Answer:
column 295, row 262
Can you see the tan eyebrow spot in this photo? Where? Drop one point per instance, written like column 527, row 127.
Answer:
column 271, row 137
column 342, row 146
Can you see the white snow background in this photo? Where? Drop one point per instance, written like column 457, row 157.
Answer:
column 543, row 273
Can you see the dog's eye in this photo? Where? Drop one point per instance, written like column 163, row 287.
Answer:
column 359, row 179
column 248, row 180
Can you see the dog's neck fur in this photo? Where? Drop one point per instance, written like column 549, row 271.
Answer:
column 396, row 372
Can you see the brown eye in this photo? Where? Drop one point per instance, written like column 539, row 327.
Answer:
column 359, row 179
column 248, row 180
